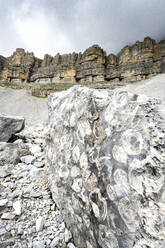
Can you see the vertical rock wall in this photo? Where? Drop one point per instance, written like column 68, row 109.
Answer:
column 139, row 61
column 106, row 155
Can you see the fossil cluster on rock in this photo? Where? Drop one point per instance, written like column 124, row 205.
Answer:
column 106, row 153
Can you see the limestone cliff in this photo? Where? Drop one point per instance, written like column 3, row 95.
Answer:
column 93, row 66
column 2, row 61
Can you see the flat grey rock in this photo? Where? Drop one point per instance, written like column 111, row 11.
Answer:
column 10, row 153
column 4, row 172
column 55, row 242
column 29, row 159
column 10, row 125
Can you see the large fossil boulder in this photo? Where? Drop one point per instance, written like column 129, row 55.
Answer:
column 106, row 155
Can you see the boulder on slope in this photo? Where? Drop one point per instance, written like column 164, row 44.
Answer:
column 10, row 125
column 106, row 155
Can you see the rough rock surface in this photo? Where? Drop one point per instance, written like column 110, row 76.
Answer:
column 107, row 158
column 18, row 67
column 29, row 217
column 139, row 61
column 10, row 153
column 10, row 125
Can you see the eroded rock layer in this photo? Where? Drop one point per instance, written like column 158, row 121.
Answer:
column 106, row 154
column 136, row 62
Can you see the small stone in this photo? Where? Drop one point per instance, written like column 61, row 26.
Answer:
column 48, row 241
column 12, row 232
column 3, row 202
column 7, row 243
column 20, row 230
column 35, row 149
column 36, row 194
column 8, row 227
column 62, row 236
column 29, row 159
column 15, row 194
column 4, row 172
column 8, row 216
column 68, row 235
column 40, row 223
column 62, row 227
column 17, row 207
column 60, row 218
column 38, row 244
column 18, row 141
column 2, row 231
column 38, row 164
column 71, row 245
column 55, row 242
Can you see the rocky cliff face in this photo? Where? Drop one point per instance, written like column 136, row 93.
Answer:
column 136, row 62
column 2, row 61
column 106, row 154
column 19, row 66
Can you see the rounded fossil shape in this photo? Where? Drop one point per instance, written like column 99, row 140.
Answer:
column 121, row 98
column 77, row 184
column 120, row 177
column 63, row 172
column 99, row 205
column 128, row 214
column 106, row 238
column 135, row 180
column 75, row 171
column 132, row 142
column 76, row 154
column 84, row 128
column 109, row 114
column 73, row 120
column 83, row 161
column 119, row 154
column 111, row 193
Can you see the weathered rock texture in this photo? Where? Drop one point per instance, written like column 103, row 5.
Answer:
column 93, row 67
column 10, row 125
column 107, row 158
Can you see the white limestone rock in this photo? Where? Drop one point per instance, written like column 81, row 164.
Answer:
column 106, row 155
column 40, row 223
column 8, row 216
column 17, row 207
column 3, row 202
column 29, row 159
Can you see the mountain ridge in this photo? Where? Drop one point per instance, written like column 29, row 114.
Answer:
column 93, row 67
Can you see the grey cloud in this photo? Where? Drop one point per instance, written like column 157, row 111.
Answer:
column 74, row 25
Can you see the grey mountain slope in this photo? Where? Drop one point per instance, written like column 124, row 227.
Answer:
column 21, row 103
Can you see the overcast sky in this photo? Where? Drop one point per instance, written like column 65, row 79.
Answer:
column 52, row 26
